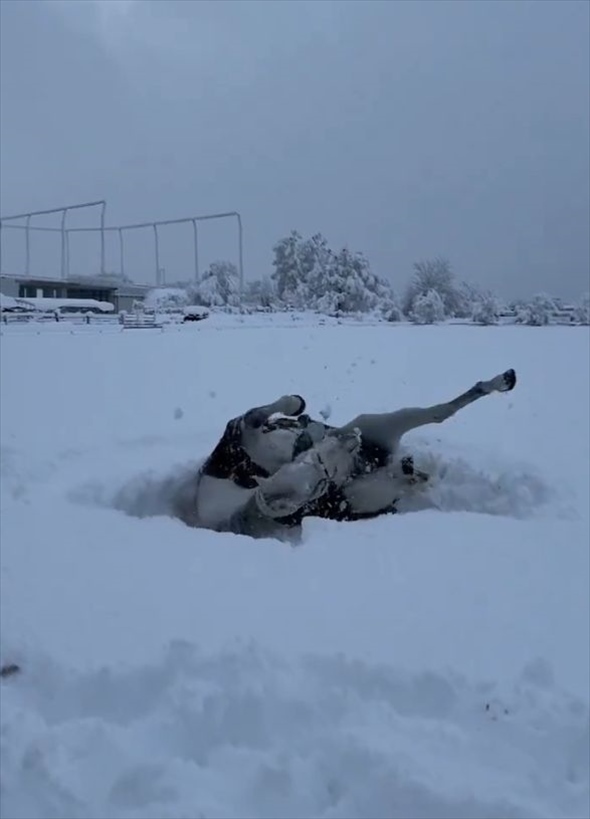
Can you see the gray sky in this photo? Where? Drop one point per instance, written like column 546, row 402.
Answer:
column 402, row 129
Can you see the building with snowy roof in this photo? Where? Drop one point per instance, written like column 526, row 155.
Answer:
column 121, row 295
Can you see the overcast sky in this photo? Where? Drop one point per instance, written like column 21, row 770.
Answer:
column 401, row 129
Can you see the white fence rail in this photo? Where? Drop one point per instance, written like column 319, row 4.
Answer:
column 140, row 321
column 52, row 318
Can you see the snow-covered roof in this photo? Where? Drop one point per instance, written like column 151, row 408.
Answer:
column 195, row 309
column 81, row 304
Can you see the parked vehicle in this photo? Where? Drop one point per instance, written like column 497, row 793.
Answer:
column 194, row 312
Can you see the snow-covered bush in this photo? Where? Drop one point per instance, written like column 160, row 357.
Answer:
column 428, row 308
column 436, row 275
column 486, row 310
column 219, row 287
column 538, row 312
column 165, row 299
column 467, row 299
column 582, row 311
column 260, row 293
column 390, row 307
column 393, row 312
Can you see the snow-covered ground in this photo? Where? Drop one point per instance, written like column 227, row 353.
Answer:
column 431, row 664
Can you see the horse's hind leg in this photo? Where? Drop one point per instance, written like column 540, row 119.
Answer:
column 385, row 429
column 500, row 383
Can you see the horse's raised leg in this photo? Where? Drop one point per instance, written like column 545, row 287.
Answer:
column 385, row 429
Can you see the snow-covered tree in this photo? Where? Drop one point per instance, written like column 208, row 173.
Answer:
column 290, row 275
column 309, row 274
column 486, row 310
column 539, row 311
column 435, row 274
column 392, row 311
column 582, row 311
column 226, row 274
column 166, row 298
column 327, row 292
column 219, row 286
column 356, row 282
column 345, row 284
column 428, row 308
column 209, row 293
column 467, row 298
column 316, row 263
column 260, row 293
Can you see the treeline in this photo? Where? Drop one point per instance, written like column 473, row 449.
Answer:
column 309, row 275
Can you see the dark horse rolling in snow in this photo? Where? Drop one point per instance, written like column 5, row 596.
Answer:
column 274, row 466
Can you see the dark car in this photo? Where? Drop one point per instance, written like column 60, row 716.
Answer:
column 195, row 313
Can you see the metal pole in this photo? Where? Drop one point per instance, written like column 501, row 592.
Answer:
column 63, row 211
column 196, row 244
column 27, row 246
column 51, row 210
column 67, row 254
column 63, row 242
column 241, row 254
column 139, row 225
column 121, row 252
column 102, row 214
column 155, row 226
column 0, row 245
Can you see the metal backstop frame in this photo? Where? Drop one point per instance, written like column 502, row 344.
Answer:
column 62, row 229
column 120, row 229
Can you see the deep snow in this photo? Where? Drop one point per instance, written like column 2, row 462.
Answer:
column 430, row 664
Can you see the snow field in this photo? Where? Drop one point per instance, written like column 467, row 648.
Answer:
column 430, row 664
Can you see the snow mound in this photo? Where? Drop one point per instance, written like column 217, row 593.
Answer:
column 7, row 302
column 244, row 733
column 457, row 485
column 454, row 486
column 145, row 495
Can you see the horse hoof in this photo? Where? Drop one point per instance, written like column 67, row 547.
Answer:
column 509, row 380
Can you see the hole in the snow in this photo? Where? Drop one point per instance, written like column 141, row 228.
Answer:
column 147, row 494
column 454, row 486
